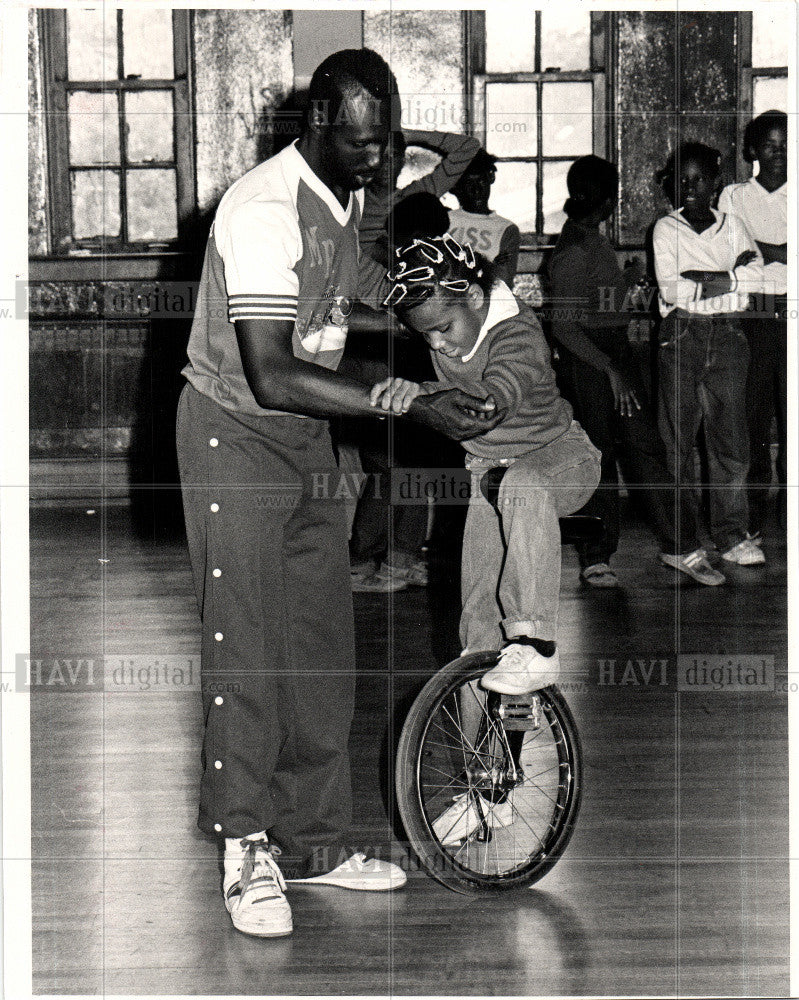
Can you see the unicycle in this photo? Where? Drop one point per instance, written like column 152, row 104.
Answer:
column 488, row 786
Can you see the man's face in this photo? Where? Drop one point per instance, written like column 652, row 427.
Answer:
column 354, row 144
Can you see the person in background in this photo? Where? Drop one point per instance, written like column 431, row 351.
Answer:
column 761, row 203
column 706, row 265
column 474, row 223
column 589, row 321
column 387, row 539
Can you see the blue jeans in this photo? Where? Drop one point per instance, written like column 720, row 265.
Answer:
column 510, row 574
column 703, row 364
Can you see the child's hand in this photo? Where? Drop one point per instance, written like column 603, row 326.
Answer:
column 395, row 394
column 745, row 258
column 486, row 410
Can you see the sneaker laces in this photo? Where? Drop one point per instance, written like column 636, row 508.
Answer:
column 513, row 656
column 258, row 864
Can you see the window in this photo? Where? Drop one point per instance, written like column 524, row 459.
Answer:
column 537, row 105
column 119, row 128
column 765, row 35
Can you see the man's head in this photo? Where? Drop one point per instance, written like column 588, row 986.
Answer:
column 349, row 115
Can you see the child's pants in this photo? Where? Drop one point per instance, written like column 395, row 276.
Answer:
column 510, row 576
column 703, row 365
column 271, row 572
column 766, row 397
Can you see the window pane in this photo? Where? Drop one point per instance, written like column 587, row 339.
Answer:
column 555, row 194
column 565, row 40
column 418, row 163
column 771, row 32
column 149, row 121
column 513, row 194
column 566, row 119
column 510, row 39
column 92, row 44
column 93, row 128
column 152, row 205
column 95, row 203
column 769, row 93
column 511, row 119
column 147, row 44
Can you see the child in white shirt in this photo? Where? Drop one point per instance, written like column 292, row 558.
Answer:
column 706, row 265
column 761, row 203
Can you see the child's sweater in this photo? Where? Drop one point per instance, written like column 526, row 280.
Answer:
column 511, row 362
column 678, row 247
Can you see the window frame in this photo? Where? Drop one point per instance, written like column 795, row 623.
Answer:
column 746, row 91
column 478, row 79
column 57, row 87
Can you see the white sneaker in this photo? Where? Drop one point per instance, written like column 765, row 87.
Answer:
column 253, row 888
column 358, row 873
column 462, row 819
column 745, row 553
column 521, row 669
column 695, row 564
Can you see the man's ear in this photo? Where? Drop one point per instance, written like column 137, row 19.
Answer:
column 317, row 117
column 475, row 297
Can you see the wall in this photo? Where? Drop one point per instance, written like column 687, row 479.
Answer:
column 675, row 79
column 674, row 75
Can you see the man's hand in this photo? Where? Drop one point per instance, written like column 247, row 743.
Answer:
column 456, row 414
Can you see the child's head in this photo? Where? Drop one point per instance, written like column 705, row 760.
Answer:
column 691, row 176
column 441, row 289
column 593, row 184
column 766, row 140
column 474, row 185
column 418, row 215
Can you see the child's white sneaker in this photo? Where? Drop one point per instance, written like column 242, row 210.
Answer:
column 745, row 553
column 463, row 818
column 253, row 887
column 521, row 669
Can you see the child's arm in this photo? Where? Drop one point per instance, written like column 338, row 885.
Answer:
column 457, row 152
column 507, row 259
column 675, row 290
column 774, row 253
column 395, row 394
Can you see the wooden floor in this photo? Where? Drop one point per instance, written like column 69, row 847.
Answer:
column 676, row 880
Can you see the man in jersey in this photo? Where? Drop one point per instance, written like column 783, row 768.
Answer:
column 474, row 223
column 268, row 551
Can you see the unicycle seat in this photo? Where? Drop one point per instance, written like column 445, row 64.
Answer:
column 573, row 527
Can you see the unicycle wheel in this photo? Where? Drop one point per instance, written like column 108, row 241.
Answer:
column 488, row 786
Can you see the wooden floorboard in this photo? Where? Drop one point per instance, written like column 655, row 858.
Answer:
column 675, row 880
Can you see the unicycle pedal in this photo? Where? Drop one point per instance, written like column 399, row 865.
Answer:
column 519, row 713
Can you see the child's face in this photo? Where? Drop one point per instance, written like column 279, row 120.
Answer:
column 474, row 190
column 771, row 152
column 449, row 325
column 696, row 188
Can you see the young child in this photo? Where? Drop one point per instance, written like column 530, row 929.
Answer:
column 486, row 342
column 474, row 223
column 599, row 379
column 761, row 203
column 706, row 265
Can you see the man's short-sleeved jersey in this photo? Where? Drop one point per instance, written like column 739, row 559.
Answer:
column 281, row 248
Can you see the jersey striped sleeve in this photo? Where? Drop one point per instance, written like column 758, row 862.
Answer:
column 260, row 244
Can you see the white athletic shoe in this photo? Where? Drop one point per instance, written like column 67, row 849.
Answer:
column 521, row 669
column 745, row 553
column 253, row 888
column 359, row 873
column 462, row 819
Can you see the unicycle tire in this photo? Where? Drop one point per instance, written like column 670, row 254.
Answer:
column 513, row 812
